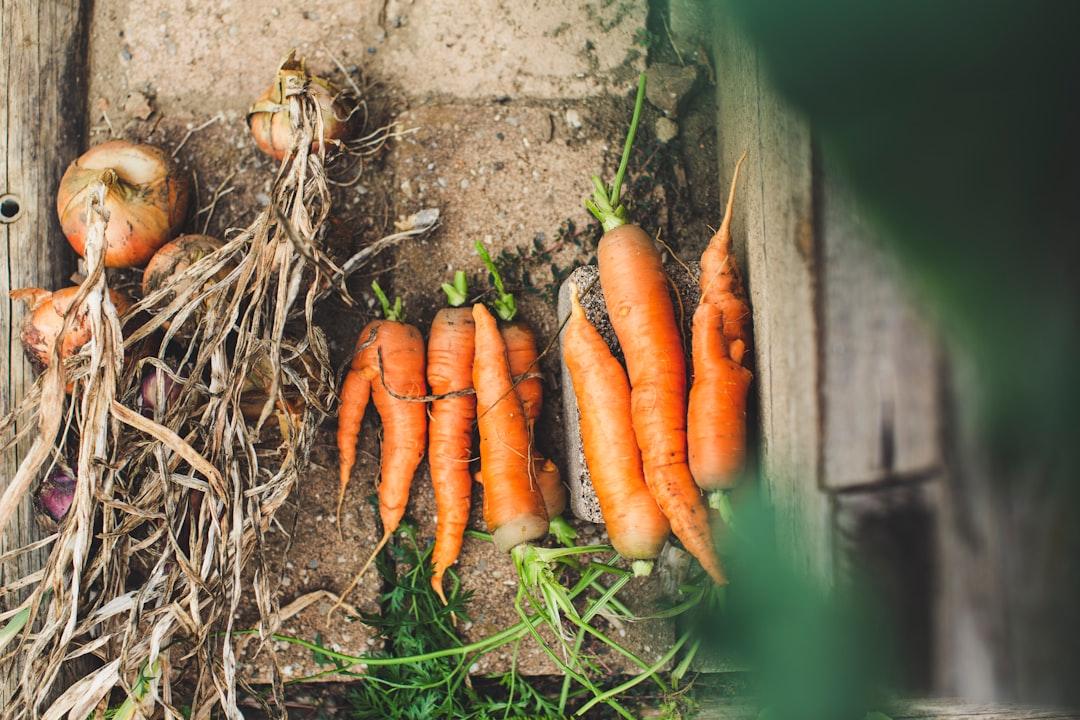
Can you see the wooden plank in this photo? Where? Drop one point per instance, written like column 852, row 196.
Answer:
column 880, row 380
column 42, row 63
column 774, row 235
column 888, row 545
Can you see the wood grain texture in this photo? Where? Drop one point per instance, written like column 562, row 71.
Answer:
column 773, row 232
column 42, row 83
column 880, row 359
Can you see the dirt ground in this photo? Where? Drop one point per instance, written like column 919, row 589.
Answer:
column 507, row 109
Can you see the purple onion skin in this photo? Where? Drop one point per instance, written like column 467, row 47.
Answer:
column 150, row 390
column 56, row 494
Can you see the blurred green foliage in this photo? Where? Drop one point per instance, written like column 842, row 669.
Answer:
column 956, row 124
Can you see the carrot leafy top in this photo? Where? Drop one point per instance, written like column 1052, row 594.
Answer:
column 605, row 203
column 458, row 291
column 505, row 305
column 393, row 312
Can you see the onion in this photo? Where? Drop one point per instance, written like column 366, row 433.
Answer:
column 43, row 323
column 56, row 494
column 147, row 199
column 259, row 380
column 170, row 389
column 175, row 257
column 270, row 118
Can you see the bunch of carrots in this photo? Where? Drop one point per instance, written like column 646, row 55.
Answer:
column 641, row 433
column 652, row 446
column 481, row 372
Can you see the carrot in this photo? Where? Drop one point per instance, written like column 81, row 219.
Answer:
column 716, row 420
column 520, row 344
column 636, row 526
column 524, row 361
column 449, row 370
column 636, row 291
column 513, row 505
column 396, row 358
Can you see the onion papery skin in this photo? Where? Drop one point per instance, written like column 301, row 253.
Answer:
column 146, row 197
column 269, row 118
column 45, row 319
column 172, row 259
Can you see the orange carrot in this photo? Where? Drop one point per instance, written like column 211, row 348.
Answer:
column 716, row 420
column 449, row 370
column 635, row 524
column 549, row 480
column 513, row 506
column 396, row 358
column 636, row 291
column 524, row 359
column 520, row 344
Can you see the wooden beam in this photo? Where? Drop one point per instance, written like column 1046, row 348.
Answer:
column 773, row 229
column 880, row 359
column 42, row 125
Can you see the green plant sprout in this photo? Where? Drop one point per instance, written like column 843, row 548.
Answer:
column 458, row 291
column 505, row 305
column 605, row 203
column 427, row 668
column 393, row 313
column 563, row 532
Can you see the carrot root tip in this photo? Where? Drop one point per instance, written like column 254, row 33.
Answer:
column 436, row 585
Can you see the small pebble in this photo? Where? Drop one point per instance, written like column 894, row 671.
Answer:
column 573, row 119
column 313, row 564
column 371, row 51
column 666, row 130
column 125, row 53
column 464, row 183
column 262, row 198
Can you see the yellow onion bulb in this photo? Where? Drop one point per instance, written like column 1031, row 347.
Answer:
column 172, row 259
column 43, row 323
column 270, row 118
column 146, row 198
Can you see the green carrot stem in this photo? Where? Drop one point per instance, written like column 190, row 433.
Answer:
column 580, row 679
column 636, row 680
column 505, row 305
column 563, row 532
column 457, row 293
column 606, row 204
column 680, row 670
column 394, row 313
column 639, row 102
column 720, row 501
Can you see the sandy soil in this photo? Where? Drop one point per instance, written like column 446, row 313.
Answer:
column 514, row 105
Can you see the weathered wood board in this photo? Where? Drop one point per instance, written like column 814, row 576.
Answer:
column 42, row 83
column 880, row 361
column 773, row 231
